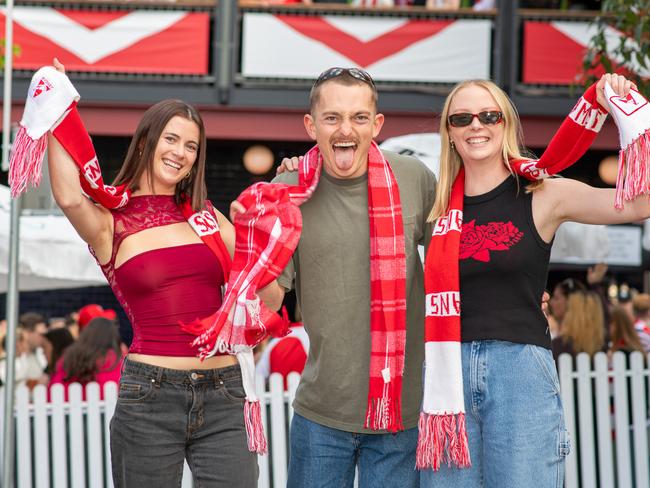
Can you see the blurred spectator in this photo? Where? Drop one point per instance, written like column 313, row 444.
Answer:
column 91, row 311
column 582, row 328
column 33, row 361
column 285, row 355
column 56, row 341
column 96, row 356
column 641, row 315
column 56, row 323
column 558, row 302
column 28, row 371
column 623, row 333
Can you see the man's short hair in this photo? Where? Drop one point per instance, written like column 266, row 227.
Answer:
column 344, row 78
column 29, row 320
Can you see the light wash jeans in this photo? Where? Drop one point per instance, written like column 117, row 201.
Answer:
column 514, row 420
column 322, row 457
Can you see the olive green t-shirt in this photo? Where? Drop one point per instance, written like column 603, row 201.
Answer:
column 331, row 267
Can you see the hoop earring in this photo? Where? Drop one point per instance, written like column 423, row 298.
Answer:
column 187, row 176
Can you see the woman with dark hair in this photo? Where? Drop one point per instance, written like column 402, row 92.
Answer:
column 95, row 356
column 165, row 251
column 55, row 344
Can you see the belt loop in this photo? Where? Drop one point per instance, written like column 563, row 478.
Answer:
column 159, row 376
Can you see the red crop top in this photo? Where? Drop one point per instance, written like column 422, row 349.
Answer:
column 160, row 288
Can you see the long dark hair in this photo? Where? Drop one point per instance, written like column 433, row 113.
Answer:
column 60, row 339
column 82, row 360
column 139, row 157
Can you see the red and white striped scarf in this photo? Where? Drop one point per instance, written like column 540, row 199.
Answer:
column 260, row 257
column 51, row 106
column 442, row 435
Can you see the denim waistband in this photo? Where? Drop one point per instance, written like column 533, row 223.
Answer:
column 130, row 367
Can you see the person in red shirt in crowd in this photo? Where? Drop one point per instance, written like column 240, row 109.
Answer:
column 96, row 356
column 285, row 355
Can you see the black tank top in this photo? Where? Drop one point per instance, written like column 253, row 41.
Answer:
column 503, row 268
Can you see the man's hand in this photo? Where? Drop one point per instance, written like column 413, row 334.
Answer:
column 289, row 164
column 545, row 298
column 236, row 208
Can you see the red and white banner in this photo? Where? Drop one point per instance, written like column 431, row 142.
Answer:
column 553, row 51
column 390, row 48
column 127, row 41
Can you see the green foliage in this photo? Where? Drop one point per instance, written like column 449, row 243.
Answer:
column 628, row 54
column 16, row 51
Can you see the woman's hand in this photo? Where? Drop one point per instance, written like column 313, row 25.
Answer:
column 58, row 66
column 619, row 84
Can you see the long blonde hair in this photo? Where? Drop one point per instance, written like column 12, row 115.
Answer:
column 584, row 324
column 450, row 161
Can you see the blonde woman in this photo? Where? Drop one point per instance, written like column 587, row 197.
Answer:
column 509, row 397
column 583, row 326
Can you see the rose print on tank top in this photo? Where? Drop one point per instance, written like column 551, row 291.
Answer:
column 476, row 241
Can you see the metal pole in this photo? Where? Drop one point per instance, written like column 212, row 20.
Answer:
column 12, row 277
column 226, row 15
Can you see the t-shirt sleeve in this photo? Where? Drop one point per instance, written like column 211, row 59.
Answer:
column 285, row 280
column 428, row 189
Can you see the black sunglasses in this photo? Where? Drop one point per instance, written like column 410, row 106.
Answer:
column 489, row 117
column 357, row 73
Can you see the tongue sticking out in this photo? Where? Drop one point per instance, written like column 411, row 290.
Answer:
column 344, row 156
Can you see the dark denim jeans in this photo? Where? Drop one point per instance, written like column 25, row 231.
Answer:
column 164, row 416
column 325, row 458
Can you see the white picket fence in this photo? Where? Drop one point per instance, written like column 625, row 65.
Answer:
column 606, row 406
column 62, row 445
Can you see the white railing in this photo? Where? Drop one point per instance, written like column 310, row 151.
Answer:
column 60, row 445
column 606, row 409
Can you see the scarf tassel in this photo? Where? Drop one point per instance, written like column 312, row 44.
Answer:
column 633, row 177
column 254, row 427
column 384, row 414
column 442, row 438
column 26, row 161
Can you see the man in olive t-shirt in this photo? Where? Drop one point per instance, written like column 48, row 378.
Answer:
column 331, row 269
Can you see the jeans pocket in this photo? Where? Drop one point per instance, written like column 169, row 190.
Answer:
column 134, row 389
column 544, row 359
column 233, row 389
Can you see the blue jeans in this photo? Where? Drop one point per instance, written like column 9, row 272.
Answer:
column 166, row 415
column 325, row 458
column 514, row 419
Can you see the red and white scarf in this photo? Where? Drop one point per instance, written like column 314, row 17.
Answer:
column 258, row 261
column 442, row 435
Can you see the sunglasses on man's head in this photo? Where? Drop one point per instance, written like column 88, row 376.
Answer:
column 357, row 73
column 489, row 117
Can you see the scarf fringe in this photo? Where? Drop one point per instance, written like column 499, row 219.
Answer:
column 384, row 414
column 254, row 427
column 442, row 439
column 633, row 177
column 26, row 161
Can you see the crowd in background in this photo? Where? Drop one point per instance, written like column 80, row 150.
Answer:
column 85, row 346
column 584, row 317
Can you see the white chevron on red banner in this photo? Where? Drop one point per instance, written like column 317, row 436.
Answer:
column 170, row 41
column 553, row 51
column 391, row 48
